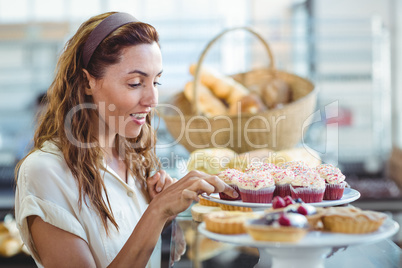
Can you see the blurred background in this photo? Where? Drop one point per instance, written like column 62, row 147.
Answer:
column 350, row 49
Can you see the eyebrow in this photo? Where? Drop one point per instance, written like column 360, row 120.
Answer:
column 142, row 73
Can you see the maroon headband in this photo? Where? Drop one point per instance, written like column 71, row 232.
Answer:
column 101, row 31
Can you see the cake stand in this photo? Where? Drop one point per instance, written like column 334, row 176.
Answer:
column 349, row 195
column 310, row 252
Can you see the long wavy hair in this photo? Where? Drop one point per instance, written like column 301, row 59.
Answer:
column 67, row 93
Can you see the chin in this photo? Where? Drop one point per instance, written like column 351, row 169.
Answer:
column 131, row 134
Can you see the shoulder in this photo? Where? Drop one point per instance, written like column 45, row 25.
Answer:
column 49, row 157
column 45, row 165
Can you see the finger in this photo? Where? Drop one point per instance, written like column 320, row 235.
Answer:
column 161, row 182
column 221, row 186
column 190, row 195
column 153, row 179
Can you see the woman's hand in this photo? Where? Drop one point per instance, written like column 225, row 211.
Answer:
column 179, row 196
column 158, row 182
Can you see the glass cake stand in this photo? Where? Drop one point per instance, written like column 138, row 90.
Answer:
column 349, row 195
column 310, row 252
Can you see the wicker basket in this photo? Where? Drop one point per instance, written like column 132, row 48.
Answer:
column 275, row 129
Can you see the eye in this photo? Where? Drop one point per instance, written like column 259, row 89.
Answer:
column 157, row 84
column 135, row 85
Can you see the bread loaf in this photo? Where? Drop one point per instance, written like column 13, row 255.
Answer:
column 224, row 87
column 276, row 92
column 251, row 103
column 209, row 104
column 210, row 160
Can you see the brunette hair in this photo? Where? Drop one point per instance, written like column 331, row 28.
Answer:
column 67, row 92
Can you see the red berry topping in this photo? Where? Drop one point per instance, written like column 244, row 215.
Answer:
column 288, row 200
column 302, row 210
column 278, row 202
column 284, row 221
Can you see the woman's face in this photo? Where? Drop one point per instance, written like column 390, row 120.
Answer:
column 127, row 91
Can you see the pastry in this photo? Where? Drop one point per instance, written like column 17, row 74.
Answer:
column 290, row 205
column 258, row 166
column 278, row 227
column 230, row 176
column 256, row 187
column 275, row 93
column 228, row 207
column 208, row 103
column 206, row 202
column 308, row 186
column 334, row 181
column 224, row 87
column 251, row 104
column 352, row 220
column 198, row 211
column 227, row 222
column 210, row 160
column 283, row 179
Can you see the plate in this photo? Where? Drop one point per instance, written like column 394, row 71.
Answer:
column 313, row 239
column 349, row 195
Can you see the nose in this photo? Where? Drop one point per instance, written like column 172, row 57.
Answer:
column 150, row 97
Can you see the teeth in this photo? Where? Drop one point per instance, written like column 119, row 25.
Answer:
column 139, row 116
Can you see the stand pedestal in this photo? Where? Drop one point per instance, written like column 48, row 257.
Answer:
column 292, row 257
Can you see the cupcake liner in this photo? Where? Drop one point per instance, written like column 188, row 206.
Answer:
column 263, row 195
column 282, row 190
column 307, row 194
column 334, row 191
column 224, row 196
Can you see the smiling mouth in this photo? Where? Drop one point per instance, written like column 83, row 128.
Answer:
column 139, row 116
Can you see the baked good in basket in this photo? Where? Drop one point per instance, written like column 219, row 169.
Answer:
column 209, row 104
column 227, row 222
column 210, row 160
column 224, row 87
column 352, row 220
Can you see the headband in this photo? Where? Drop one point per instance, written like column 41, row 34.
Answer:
column 101, row 31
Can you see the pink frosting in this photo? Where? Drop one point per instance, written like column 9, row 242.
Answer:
column 256, row 180
column 230, row 175
column 260, row 166
column 296, row 166
column 283, row 176
column 308, row 179
column 330, row 173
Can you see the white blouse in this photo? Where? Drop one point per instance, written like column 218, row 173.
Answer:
column 47, row 188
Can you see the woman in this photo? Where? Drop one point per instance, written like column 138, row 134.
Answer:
column 86, row 195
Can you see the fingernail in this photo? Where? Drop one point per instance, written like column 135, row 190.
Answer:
column 235, row 194
column 158, row 189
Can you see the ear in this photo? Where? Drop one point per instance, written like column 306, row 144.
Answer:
column 91, row 82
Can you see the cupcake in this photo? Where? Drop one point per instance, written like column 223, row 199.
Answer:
column 256, row 187
column 295, row 166
column 308, row 186
column 278, row 227
column 334, row 181
column 260, row 166
column 352, row 220
column 230, row 176
column 282, row 179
